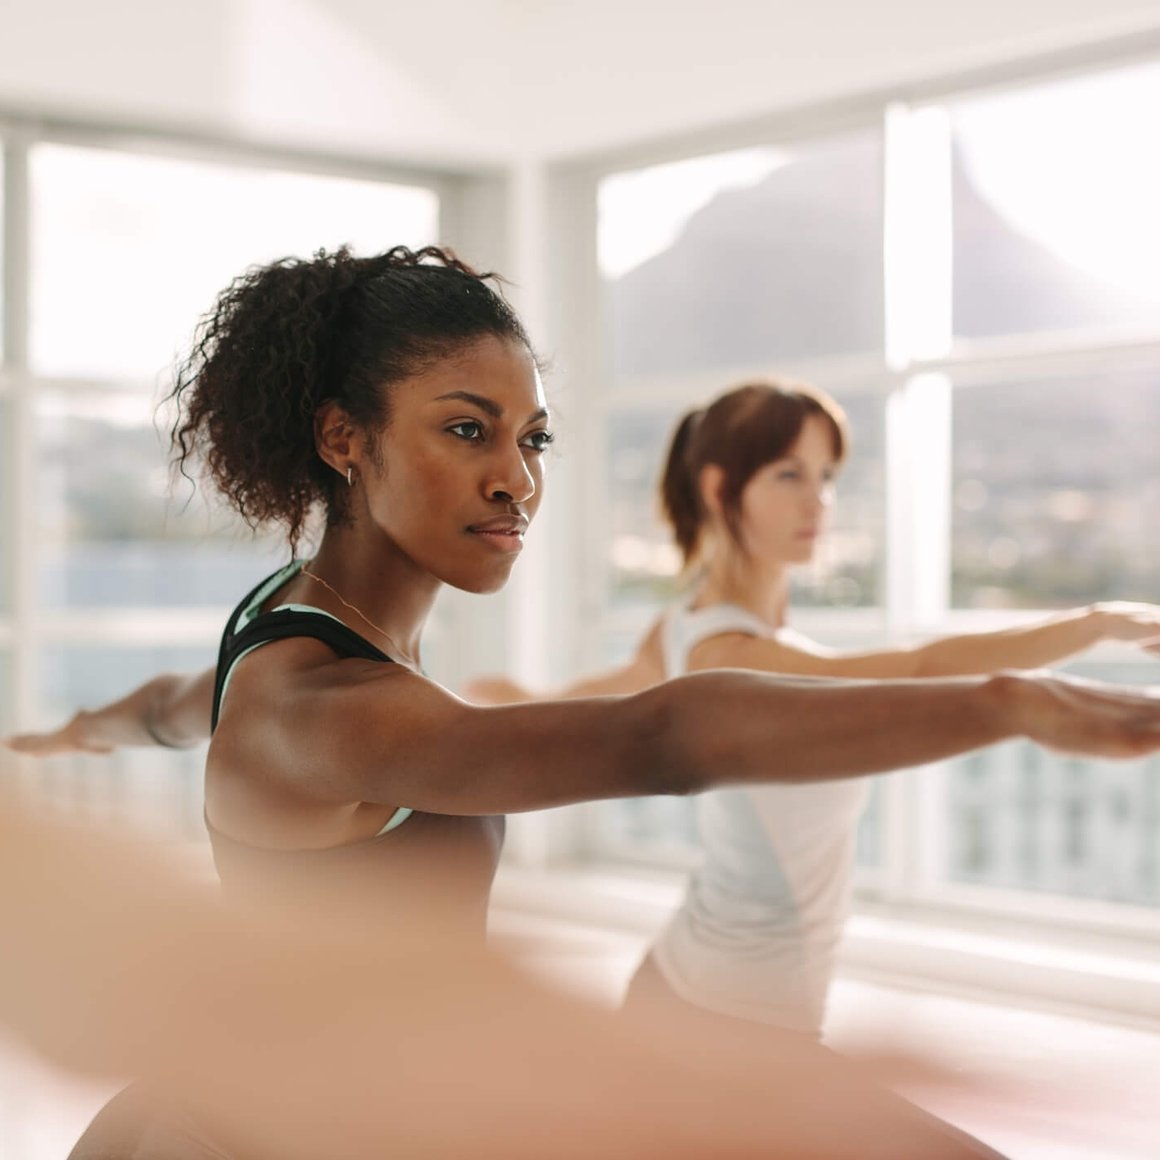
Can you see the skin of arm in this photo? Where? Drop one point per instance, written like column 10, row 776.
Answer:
column 1026, row 647
column 646, row 668
column 351, row 731
column 172, row 710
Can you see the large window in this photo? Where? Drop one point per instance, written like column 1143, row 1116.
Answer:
column 715, row 270
column 128, row 249
column 728, row 262
column 108, row 571
column 1055, row 484
column 974, row 279
column 721, row 268
column 1055, row 193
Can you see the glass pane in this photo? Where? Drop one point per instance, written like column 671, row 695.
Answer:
column 78, row 678
column 3, row 257
column 644, row 563
column 743, row 259
column 7, row 513
column 1055, row 194
column 158, row 789
column 1021, row 817
column 7, row 694
column 129, row 250
column 1056, row 489
column 110, row 534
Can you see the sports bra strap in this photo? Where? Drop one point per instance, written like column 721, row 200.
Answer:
column 282, row 624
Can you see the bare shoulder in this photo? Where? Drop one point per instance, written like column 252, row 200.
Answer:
column 783, row 652
column 292, row 707
column 275, row 676
column 318, row 744
column 726, row 650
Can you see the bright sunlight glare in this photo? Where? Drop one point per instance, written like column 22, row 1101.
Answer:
column 1074, row 165
column 642, row 213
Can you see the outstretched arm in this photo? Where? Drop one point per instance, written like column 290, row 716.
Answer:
column 644, row 669
column 1043, row 643
column 1027, row 647
column 349, row 731
column 172, row 710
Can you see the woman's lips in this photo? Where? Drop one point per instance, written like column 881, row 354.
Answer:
column 504, row 534
column 501, row 539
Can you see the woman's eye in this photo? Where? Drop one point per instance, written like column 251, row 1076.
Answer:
column 469, row 430
column 539, row 440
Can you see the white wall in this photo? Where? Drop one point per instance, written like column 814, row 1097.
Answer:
column 129, row 58
column 494, row 79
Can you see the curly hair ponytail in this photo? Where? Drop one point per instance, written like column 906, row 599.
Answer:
column 285, row 338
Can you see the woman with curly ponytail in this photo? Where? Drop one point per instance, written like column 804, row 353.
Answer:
column 398, row 397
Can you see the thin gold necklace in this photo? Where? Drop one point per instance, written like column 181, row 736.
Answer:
column 360, row 614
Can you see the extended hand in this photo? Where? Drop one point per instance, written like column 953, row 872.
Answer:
column 1126, row 620
column 1079, row 716
column 72, row 737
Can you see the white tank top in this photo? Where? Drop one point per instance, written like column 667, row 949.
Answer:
column 757, row 932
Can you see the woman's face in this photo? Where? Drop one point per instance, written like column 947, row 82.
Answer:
column 460, row 464
column 784, row 505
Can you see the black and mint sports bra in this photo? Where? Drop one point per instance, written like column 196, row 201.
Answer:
column 454, row 855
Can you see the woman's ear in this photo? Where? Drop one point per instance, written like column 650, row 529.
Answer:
column 711, row 481
column 335, row 437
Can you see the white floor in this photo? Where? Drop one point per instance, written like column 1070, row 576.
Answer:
column 1043, row 1086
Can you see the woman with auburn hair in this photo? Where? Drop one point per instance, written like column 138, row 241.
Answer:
column 746, row 487
column 398, row 395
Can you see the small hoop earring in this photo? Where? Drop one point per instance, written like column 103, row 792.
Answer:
column 349, row 476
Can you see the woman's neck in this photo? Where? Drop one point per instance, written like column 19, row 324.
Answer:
column 764, row 591
column 368, row 583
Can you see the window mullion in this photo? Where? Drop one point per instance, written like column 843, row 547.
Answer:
column 918, row 248
column 20, row 468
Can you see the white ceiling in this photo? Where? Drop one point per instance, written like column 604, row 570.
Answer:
column 505, row 79
column 553, row 77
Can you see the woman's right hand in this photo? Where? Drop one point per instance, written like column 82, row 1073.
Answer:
column 1129, row 621
column 1072, row 715
column 172, row 710
column 75, row 736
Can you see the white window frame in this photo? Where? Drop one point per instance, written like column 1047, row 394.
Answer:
column 916, row 383
column 471, row 217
